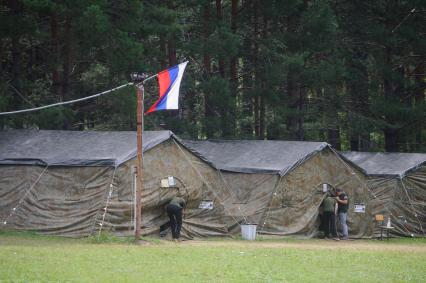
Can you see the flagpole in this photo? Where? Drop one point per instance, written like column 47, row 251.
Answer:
column 139, row 186
column 138, row 81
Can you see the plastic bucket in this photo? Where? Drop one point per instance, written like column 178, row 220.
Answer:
column 248, row 231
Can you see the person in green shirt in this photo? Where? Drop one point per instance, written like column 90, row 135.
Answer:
column 329, row 214
column 174, row 211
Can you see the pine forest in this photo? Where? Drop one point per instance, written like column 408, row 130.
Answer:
column 351, row 73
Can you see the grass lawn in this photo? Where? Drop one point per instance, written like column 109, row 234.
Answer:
column 30, row 258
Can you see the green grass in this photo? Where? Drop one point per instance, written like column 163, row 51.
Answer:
column 27, row 257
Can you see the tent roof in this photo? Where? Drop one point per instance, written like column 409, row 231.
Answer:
column 73, row 148
column 378, row 163
column 254, row 156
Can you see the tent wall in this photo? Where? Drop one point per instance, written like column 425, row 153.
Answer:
column 166, row 159
column 294, row 207
column 245, row 196
column 70, row 201
column 384, row 191
column 14, row 183
column 58, row 200
column 403, row 200
column 415, row 211
column 398, row 189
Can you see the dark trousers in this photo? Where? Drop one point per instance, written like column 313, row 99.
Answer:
column 330, row 224
column 175, row 214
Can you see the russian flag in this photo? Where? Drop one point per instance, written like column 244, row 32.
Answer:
column 169, row 84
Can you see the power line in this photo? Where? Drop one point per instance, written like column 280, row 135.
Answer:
column 65, row 102
column 403, row 20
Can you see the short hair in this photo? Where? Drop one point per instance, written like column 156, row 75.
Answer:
column 339, row 190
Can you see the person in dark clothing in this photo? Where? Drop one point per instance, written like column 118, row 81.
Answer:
column 174, row 211
column 329, row 214
column 342, row 211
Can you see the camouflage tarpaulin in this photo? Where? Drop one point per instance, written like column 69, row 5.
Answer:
column 83, row 173
column 398, row 185
column 278, row 184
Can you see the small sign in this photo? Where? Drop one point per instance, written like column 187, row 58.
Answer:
column 169, row 182
column 206, row 204
column 164, row 183
column 172, row 182
column 324, row 188
column 359, row 208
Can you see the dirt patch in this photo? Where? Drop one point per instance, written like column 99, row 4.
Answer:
column 313, row 245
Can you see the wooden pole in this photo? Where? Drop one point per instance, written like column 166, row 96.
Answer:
column 139, row 186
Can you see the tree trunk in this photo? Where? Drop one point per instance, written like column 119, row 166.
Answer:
column 233, row 71
column 391, row 134
column 206, row 34
column 219, row 15
column 359, row 136
column 391, row 140
column 1, row 57
column 16, row 58
column 247, row 101
column 163, row 53
column 262, row 118
column 292, row 98
column 334, row 137
column 171, row 50
column 300, row 130
column 360, row 142
column 208, row 101
column 257, row 116
column 249, row 63
column 67, row 59
column 55, row 52
column 293, row 94
column 419, row 99
column 256, row 70
column 15, row 8
column 233, row 67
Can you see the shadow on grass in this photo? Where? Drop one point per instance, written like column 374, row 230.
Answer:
column 109, row 238
column 32, row 237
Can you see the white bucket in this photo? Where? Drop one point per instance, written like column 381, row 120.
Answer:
column 248, row 231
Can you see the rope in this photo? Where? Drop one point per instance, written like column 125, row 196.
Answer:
column 202, row 178
column 229, row 191
column 412, row 206
column 287, row 171
column 133, row 202
column 269, row 204
column 111, row 188
column 65, row 102
column 13, row 211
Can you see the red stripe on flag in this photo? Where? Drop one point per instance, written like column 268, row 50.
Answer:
column 163, row 82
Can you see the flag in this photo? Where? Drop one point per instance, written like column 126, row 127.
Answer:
column 169, row 84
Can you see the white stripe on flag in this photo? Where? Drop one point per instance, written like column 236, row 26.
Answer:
column 173, row 96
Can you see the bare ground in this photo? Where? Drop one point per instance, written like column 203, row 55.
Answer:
column 364, row 245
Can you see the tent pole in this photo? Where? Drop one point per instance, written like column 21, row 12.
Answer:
column 138, row 212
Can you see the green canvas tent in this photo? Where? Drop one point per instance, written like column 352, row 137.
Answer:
column 279, row 184
column 79, row 183
column 398, row 185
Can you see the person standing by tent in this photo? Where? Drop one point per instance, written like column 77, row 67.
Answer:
column 174, row 211
column 343, row 204
column 329, row 214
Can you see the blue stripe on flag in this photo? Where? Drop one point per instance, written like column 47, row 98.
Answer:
column 173, row 73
